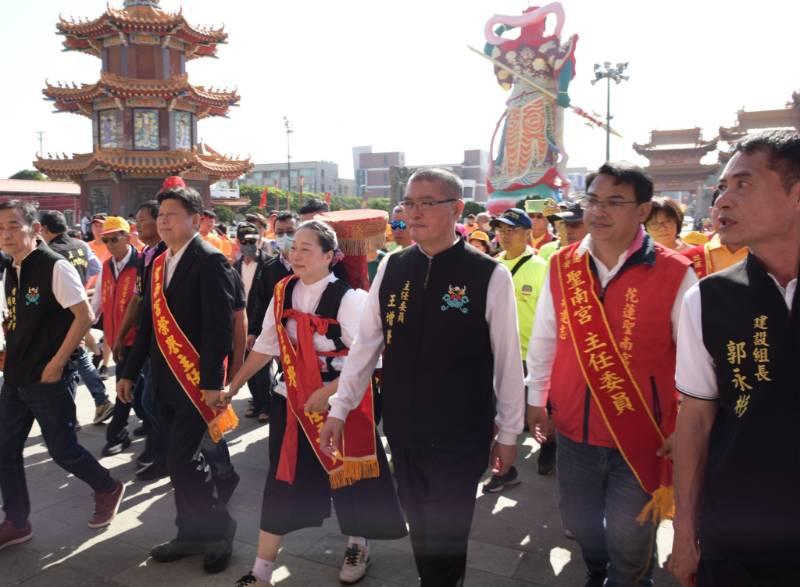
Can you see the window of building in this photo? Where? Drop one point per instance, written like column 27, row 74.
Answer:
column 183, row 130
column 145, row 129
column 109, row 124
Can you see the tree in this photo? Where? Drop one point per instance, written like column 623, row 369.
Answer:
column 473, row 207
column 224, row 214
column 29, row 174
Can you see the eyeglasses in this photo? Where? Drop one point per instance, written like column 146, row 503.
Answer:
column 663, row 224
column 110, row 240
column 398, row 224
column 510, row 229
column 424, row 205
column 284, row 233
column 590, row 203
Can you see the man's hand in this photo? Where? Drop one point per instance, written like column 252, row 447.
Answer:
column 330, row 437
column 318, row 401
column 212, row 398
column 116, row 350
column 503, row 456
column 125, row 391
column 251, row 340
column 666, row 448
column 53, row 372
column 539, row 424
column 683, row 561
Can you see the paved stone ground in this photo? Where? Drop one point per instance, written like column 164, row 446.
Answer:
column 516, row 539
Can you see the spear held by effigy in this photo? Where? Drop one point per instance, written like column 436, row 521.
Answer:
column 546, row 92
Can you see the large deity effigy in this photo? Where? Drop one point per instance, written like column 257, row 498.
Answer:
column 529, row 158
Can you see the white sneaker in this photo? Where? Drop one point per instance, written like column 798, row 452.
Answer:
column 354, row 566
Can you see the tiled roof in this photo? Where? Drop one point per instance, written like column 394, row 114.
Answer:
column 158, row 163
column 212, row 102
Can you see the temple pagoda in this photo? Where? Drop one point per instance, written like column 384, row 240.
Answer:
column 757, row 120
column 143, row 109
column 674, row 157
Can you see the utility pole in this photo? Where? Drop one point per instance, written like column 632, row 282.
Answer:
column 41, row 142
column 609, row 72
column 288, row 124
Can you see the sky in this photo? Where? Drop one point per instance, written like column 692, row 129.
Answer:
column 398, row 75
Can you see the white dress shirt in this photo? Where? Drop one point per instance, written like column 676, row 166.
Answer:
column 305, row 298
column 97, row 296
column 501, row 315
column 173, row 260
column 248, row 273
column 694, row 374
column 542, row 346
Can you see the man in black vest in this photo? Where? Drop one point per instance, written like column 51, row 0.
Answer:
column 438, row 392
column 199, row 290
column 48, row 314
column 86, row 263
column 737, row 457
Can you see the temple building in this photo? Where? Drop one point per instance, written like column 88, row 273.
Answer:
column 758, row 120
column 143, row 109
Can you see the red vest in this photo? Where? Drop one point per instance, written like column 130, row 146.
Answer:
column 638, row 304
column 117, row 294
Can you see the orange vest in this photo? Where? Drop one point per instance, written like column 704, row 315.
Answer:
column 117, row 294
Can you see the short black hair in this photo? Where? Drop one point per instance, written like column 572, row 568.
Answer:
column 151, row 206
column 54, row 221
column 782, row 148
column 188, row 197
column 209, row 214
column 284, row 216
column 626, row 173
column 26, row 209
column 312, row 206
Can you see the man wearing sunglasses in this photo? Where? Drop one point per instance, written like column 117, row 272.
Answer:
column 439, row 394
column 603, row 353
column 111, row 298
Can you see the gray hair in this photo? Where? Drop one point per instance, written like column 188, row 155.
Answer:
column 326, row 236
column 450, row 183
column 26, row 209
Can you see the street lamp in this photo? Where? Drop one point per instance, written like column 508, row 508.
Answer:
column 288, row 124
column 609, row 72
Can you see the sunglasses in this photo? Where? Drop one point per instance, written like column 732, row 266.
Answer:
column 110, row 239
column 398, row 224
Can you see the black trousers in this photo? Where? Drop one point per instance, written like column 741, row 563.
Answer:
column 200, row 516
column 735, row 573
column 117, row 430
column 437, row 487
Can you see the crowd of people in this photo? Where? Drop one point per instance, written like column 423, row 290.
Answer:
column 651, row 365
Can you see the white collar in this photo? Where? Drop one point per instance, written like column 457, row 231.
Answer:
column 587, row 246
column 180, row 252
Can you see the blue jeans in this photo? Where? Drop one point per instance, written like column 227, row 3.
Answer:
column 82, row 363
column 53, row 407
column 599, row 501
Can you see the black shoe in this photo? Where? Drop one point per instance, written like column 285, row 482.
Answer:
column 176, row 550
column 152, row 471
column 141, row 431
column 500, row 482
column 218, row 553
column 115, row 447
column 103, row 373
column 595, row 580
column 226, row 487
column 145, row 459
column 547, row 459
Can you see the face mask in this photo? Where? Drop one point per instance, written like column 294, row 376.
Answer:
column 284, row 242
column 249, row 250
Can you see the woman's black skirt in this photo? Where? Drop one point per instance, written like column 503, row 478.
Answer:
column 368, row 508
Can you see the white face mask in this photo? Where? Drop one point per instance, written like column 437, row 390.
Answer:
column 284, row 242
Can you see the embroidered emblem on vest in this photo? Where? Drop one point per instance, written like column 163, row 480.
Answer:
column 32, row 297
column 456, row 297
column 526, row 290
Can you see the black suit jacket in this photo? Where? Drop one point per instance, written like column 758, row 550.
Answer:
column 201, row 297
column 268, row 274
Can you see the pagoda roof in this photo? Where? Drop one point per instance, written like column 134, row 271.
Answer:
column 201, row 159
column 650, row 148
column 788, row 117
column 78, row 99
column 83, row 34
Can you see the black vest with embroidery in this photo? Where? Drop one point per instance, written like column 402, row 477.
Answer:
column 328, row 307
column 36, row 324
column 750, row 503
column 73, row 251
column 438, row 366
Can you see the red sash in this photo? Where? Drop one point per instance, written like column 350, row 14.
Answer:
column 182, row 358
column 614, row 389
column 701, row 260
column 116, row 297
column 358, row 459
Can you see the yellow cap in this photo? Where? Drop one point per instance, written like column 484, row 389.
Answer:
column 115, row 224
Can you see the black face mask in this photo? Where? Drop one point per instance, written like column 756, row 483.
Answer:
column 249, row 250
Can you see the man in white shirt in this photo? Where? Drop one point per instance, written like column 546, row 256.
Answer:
column 736, row 451
column 603, row 353
column 48, row 314
column 438, row 393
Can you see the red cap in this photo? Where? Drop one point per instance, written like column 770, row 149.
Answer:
column 172, row 182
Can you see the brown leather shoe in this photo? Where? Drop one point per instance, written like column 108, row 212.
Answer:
column 106, row 505
column 9, row 535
